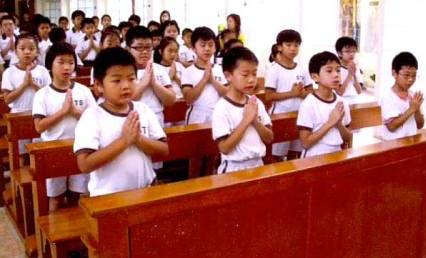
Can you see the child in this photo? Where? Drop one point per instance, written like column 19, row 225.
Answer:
column 170, row 29
column 89, row 47
column 167, row 55
column 106, row 21
column 75, row 35
column 153, row 25
column 186, row 54
column 43, row 30
column 401, row 107
column 287, row 83
column 114, row 141
column 63, row 23
column 274, row 56
column 324, row 117
column 352, row 81
column 59, row 35
column 156, row 38
column 124, row 28
column 154, row 87
column 21, row 81
column 240, row 125
column 135, row 20
column 56, row 110
column 7, row 40
column 232, row 43
column 202, row 82
column 98, row 32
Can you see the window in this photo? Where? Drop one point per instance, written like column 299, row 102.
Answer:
column 87, row 6
column 52, row 9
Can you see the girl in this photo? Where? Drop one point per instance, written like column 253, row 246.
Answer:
column 170, row 29
column 166, row 56
column 56, row 111
column 43, row 30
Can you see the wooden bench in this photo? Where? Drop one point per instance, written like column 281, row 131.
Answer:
column 354, row 203
column 83, row 70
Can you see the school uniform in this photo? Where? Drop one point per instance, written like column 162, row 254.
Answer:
column 248, row 153
column 186, row 54
column 97, row 128
column 350, row 90
column 393, row 106
column 281, row 79
column 83, row 46
column 149, row 97
column 10, row 58
column 48, row 101
column 175, row 86
column 314, row 112
column 43, row 47
column 74, row 37
column 202, row 109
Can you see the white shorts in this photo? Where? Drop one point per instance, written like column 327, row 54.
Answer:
column 227, row 166
column 197, row 115
column 281, row 149
column 58, row 185
column 320, row 148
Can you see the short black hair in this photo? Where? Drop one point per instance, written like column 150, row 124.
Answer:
column 320, row 59
column 57, row 35
column 156, row 33
column 136, row 18
column 95, row 17
column 289, row 36
column 124, row 24
column 137, row 32
column 233, row 56
column 26, row 35
column 107, row 33
column 404, row 59
column 42, row 20
column 87, row 21
column 345, row 42
column 169, row 23
column 110, row 57
column 228, row 45
column 62, row 18
column 186, row 31
column 274, row 52
column 203, row 33
column 7, row 17
column 59, row 49
column 104, row 16
column 153, row 23
column 77, row 13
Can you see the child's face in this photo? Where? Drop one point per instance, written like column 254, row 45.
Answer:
column 8, row 26
column 171, row 31
column 329, row 75
column 348, row 54
column 63, row 24
column 63, row 67
column 156, row 41
column 89, row 29
column 26, row 50
column 205, row 49
column 187, row 38
column 406, row 77
column 43, row 30
column 141, row 49
column 124, row 31
column 111, row 41
column 106, row 22
column 96, row 21
column 244, row 77
column 170, row 52
column 77, row 21
column 118, row 85
column 289, row 50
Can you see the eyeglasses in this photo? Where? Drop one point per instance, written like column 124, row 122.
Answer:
column 141, row 48
column 408, row 76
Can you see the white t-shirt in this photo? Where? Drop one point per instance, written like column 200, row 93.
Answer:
column 281, row 79
column 11, row 54
column 149, row 97
column 74, row 37
column 131, row 169
column 13, row 78
column 43, row 46
column 314, row 112
column 175, row 86
column 208, row 98
column 350, row 89
column 83, row 45
column 227, row 115
column 186, row 54
column 49, row 100
column 393, row 106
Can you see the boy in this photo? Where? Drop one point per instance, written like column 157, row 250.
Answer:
column 352, row 81
column 98, row 32
column 106, row 21
column 7, row 40
column 240, row 124
column 134, row 19
column 43, row 30
column 186, row 54
column 324, row 117
column 287, row 83
column 202, row 82
column 114, row 141
column 75, row 35
column 401, row 107
column 63, row 23
column 154, row 87
column 89, row 47
column 56, row 110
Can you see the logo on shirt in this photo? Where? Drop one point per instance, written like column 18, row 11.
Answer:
column 218, row 78
column 300, row 78
column 78, row 102
column 144, row 130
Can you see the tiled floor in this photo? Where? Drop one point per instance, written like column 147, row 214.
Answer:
column 10, row 246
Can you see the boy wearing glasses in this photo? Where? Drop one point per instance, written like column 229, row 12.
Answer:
column 351, row 75
column 401, row 112
column 153, row 87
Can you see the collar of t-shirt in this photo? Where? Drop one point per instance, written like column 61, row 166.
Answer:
column 131, row 107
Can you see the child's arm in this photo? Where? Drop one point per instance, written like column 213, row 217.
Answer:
column 10, row 46
column 10, row 96
column 310, row 138
column 165, row 93
column 174, row 75
column 151, row 146
column 264, row 132
column 351, row 76
column 415, row 104
column 88, row 162
column 420, row 120
column 94, row 46
column 191, row 94
column 83, row 53
column 345, row 132
column 297, row 91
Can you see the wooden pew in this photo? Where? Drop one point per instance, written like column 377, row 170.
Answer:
column 354, row 203
column 85, row 80
column 83, row 70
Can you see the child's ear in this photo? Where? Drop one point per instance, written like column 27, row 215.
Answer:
column 315, row 77
column 228, row 75
column 394, row 73
column 98, row 85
